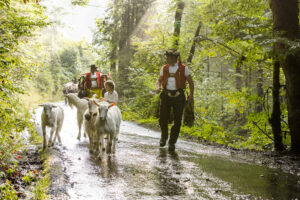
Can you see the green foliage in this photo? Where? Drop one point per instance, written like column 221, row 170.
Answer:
column 7, row 192
column 29, row 178
column 17, row 25
column 41, row 190
column 30, row 65
column 261, row 131
column 45, row 82
column 68, row 59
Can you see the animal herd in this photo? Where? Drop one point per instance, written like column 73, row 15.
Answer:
column 101, row 121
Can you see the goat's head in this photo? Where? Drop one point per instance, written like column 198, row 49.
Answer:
column 48, row 109
column 92, row 110
column 103, row 108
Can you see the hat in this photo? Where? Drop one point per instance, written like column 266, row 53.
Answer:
column 172, row 52
column 93, row 66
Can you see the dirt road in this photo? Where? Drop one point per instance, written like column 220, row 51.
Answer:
column 142, row 170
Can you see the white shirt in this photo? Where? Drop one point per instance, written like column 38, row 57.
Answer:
column 94, row 82
column 111, row 96
column 171, row 83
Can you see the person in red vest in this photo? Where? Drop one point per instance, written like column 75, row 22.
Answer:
column 171, row 85
column 93, row 83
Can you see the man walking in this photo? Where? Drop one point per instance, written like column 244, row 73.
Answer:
column 172, row 83
column 93, row 84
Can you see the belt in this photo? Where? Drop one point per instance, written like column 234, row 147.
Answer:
column 171, row 74
column 172, row 93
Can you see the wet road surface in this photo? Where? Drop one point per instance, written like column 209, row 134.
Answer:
column 142, row 170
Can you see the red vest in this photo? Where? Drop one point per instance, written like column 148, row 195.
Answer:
column 179, row 76
column 89, row 82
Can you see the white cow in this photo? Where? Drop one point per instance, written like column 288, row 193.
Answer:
column 108, row 123
column 53, row 117
column 82, row 106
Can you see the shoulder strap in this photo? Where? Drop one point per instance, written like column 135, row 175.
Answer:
column 181, row 66
column 166, row 66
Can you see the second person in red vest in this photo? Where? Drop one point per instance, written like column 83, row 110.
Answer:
column 172, row 83
column 93, row 83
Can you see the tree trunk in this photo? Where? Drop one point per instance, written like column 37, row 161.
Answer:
column 276, row 113
column 259, row 88
column 132, row 14
column 124, row 49
column 113, row 57
column 177, row 23
column 238, row 86
column 286, row 21
column 193, row 48
column 114, row 41
column 189, row 112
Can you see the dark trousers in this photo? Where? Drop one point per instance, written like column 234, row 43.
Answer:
column 177, row 105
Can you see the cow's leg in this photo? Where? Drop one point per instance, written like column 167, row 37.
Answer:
column 115, row 141
column 51, row 135
column 44, row 136
column 91, row 142
column 109, row 142
column 57, row 135
column 96, row 142
column 54, row 139
column 101, row 145
column 79, row 122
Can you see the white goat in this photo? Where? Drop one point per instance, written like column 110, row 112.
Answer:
column 82, row 106
column 90, row 117
column 52, row 116
column 108, row 123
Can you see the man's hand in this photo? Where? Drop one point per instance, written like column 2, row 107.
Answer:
column 158, row 84
column 191, row 86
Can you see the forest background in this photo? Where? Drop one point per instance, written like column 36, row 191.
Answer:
column 240, row 98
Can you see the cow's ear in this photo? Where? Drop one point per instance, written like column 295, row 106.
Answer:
column 54, row 106
column 42, row 105
column 112, row 104
column 95, row 102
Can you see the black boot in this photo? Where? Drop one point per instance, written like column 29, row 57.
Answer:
column 171, row 147
column 162, row 142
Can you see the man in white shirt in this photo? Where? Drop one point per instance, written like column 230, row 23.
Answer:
column 93, row 83
column 171, row 83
